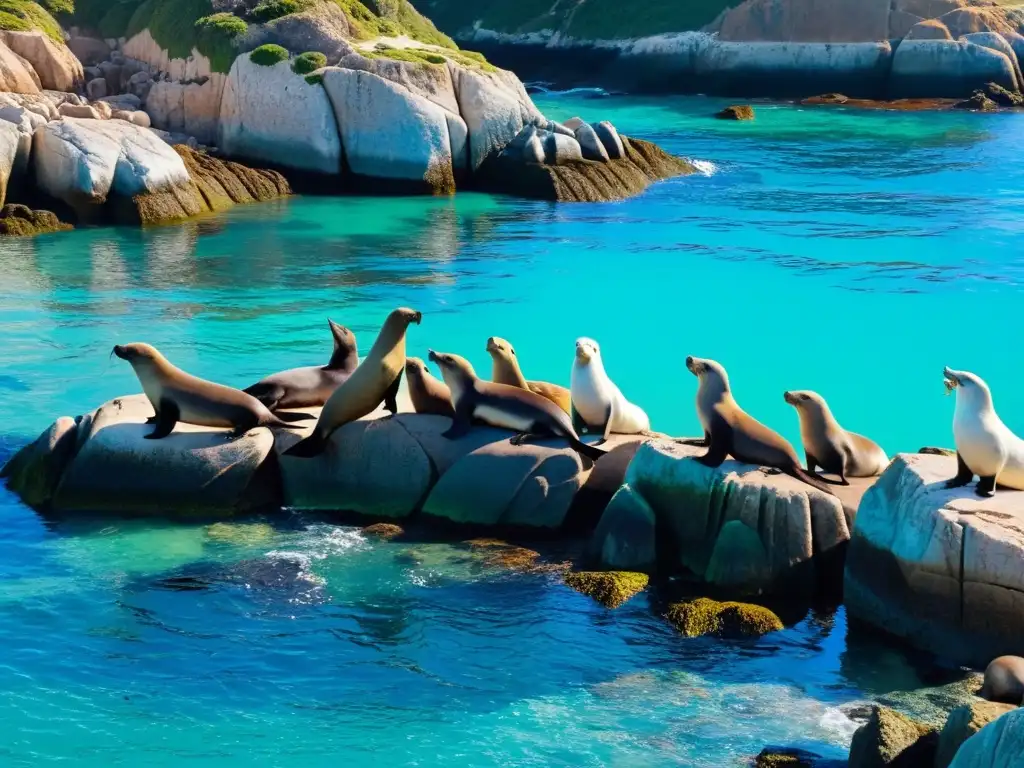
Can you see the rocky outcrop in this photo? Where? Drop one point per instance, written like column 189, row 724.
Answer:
column 16, row 74
column 934, row 68
column 703, row 616
column 57, row 67
column 13, row 156
column 734, row 527
column 830, row 21
column 998, row 745
column 224, row 184
column 962, row 724
column 272, row 115
column 892, row 739
column 22, row 221
column 939, row 567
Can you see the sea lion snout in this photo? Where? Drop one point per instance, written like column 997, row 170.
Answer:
column 691, row 363
column 119, row 351
column 789, row 397
column 950, row 376
column 433, row 357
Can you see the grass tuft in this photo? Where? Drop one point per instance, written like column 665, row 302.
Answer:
column 24, row 16
column 269, row 55
column 215, row 39
column 308, row 62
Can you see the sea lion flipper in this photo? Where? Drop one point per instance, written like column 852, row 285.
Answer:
column 719, row 444
column 699, row 442
column 964, row 475
column 391, row 395
column 986, row 486
column 153, row 419
column 306, row 449
column 290, row 417
column 811, row 461
column 609, row 417
column 166, row 417
column 578, row 423
column 462, row 422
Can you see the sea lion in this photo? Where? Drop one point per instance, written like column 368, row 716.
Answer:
column 506, row 370
column 374, row 381
column 728, row 429
column 1004, row 681
column 831, row 447
column 984, row 445
column 313, row 385
column 178, row 396
column 597, row 403
column 504, row 406
column 428, row 394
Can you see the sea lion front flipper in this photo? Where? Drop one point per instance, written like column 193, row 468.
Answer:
column 720, row 444
column 811, row 462
column 964, row 475
column 462, row 422
column 153, row 419
column 578, row 424
column 166, row 417
column 268, row 394
column 609, row 417
column 699, row 442
column 391, row 395
column 986, row 486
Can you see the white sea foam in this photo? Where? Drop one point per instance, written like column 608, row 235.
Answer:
column 704, row 167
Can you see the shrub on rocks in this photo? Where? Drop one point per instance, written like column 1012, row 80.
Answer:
column 215, row 39
column 610, row 588
column 309, row 62
column 704, row 616
column 268, row 10
column 268, row 55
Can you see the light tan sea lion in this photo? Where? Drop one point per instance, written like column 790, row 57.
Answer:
column 1004, row 681
column 310, row 386
column 179, row 396
column 506, row 370
column 504, row 406
column 428, row 394
column 375, row 381
column 729, row 430
column 831, row 447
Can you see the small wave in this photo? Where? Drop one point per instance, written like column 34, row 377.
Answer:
column 704, row 167
column 583, row 92
column 838, row 722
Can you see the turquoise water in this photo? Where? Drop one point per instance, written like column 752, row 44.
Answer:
column 853, row 253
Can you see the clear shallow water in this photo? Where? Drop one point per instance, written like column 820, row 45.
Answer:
column 849, row 252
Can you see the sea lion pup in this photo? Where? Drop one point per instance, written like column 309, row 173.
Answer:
column 1004, row 681
column 597, row 403
column 178, row 396
column 501, row 405
column 313, row 385
column 730, row 430
column 428, row 394
column 831, row 447
column 375, row 381
column 984, row 445
column 506, row 370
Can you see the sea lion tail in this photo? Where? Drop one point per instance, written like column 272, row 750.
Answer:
column 806, row 477
column 306, row 449
column 592, row 452
column 291, row 417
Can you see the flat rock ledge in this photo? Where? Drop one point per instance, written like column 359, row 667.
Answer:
column 389, row 468
column 941, row 568
column 737, row 527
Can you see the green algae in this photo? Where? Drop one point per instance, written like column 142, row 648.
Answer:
column 704, row 616
column 610, row 588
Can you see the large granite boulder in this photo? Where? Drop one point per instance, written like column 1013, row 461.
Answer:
column 964, row 722
column 827, row 21
column 192, row 107
column 939, row 567
column 889, row 738
column 736, row 527
column 271, row 114
column 998, row 745
column 12, row 155
column 947, row 68
column 929, row 29
column 16, row 74
column 57, row 67
column 89, row 50
column 392, row 134
column 431, row 81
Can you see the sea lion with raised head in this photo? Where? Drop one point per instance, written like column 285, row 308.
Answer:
column 428, row 394
column 597, row 403
column 506, row 370
column 179, row 396
column 504, row 406
column 373, row 382
column 984, row 445
column 313, row 385
column 729, row 430
column 828, row 445
column 1004, row 681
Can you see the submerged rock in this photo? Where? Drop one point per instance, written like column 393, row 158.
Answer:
column 892, row 739
column 383, row 531
column 979, row 102
column 22, row 221
column 1003, row 97
column 704, row 616
column 786, row 757
column 610, row 588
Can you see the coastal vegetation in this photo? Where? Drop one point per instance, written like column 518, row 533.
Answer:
column 308, row 62
column 269, row 55
column 24, row 16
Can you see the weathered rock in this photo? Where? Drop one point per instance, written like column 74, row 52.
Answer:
column 998, row 745
column 703, row 616
column 901, row 22
column 112, row 74
column 963, row 723
column 96, row 89
column 560, row 149
column 574, row 123
column 929, row 29
column 11, row 139
column 590, row 144
column 939, row 567
column 610, row 588
column 140, row 119
column 224, row 184
column 430, row 81
column 892, row 739
column 1003, row 97
column 392, row 134
column 964, row 21
column 736, row 112
column 978, row 102
column 165, row 106
column 193, row 470
column 123, row 101
column 929, row 9
column 89, row 50
column 22, row 221
column 786, row 757
column 80, row 111
column 611, row 139
column 102, row 108
column 272, row 114
column 56, row 65
column 826, row 98
column 16, row 74
column 836, row 21
column 36, row 103
column 996, row 42
column 945, row 68
column 624, row 539
column 325, row 28
column 383, row 531
column 35, row 471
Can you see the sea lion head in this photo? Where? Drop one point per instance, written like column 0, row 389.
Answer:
column 345, row 348
column 415, row 367
column 807, row 402
column 456, row 371
column 587, row 350
column 970, row 389
column 710, row 373
column 407, row 316
column 137, row 353
column 497, row 347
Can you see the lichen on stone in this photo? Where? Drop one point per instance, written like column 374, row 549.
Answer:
column 308, row 62
column 268, row 55
column 22, row 221
column 704, row 616
column 610, row 588
column 383, row 531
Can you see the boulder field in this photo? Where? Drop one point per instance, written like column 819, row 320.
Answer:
column 872, row 49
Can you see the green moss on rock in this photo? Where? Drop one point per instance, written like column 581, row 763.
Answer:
column 308, row 62
column 22, row 221
column 610, row 588
column 24, row 16
column 704, row 616
column 891, row 738
column 172, row 23
column 58, row 7
column 114, row 23
column 215, row 39
column 383, row 531
column 269, row 55
column 269, row 10
column 315, row 79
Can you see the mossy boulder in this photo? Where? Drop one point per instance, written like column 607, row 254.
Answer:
column 1002, row 96
column 383, row 531
column 497, row 553
column 610, row 588
column 268, row 55
column 736, row 112
column 216, row 36
column 224, row 183
column 22, row 221
column 889, row 738
column 704, row 616
column 309, row 62
column 978, row 102
column 785, row 757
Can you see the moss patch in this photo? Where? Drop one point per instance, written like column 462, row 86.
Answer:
column 710, row 617
column 55, row 7
column 114, row 22
column 500, row 554
column 269, row 55
column 470, row 59
column 24, row 16
column 383, row 531
column 610, row 588
column 22, row 221
column 315, row 79
column 172, row 23
column 268, row 10
column 215, row 39
column 308, row 62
